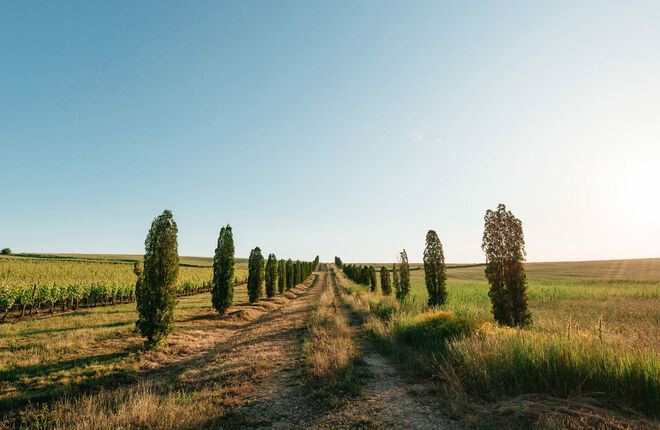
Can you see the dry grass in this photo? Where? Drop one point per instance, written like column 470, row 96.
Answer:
column 330, row 350
column 87, row 369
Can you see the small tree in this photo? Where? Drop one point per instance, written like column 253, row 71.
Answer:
column 271, row 275
column 504, row 246
column 255, row 275
column 435, row 276
column 373, row 280
column 404, row 276
column 385, row 285
column 281, row 276
column 222, row 288
column 5, row 251
column 156, row 286
column 395, row 282
column 290, row 280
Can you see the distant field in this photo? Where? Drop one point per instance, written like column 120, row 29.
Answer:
column 126, row 258
column 624, row 295
column 639, row 269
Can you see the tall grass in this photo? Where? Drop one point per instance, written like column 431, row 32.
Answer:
column 462, row 344
column 500, row 362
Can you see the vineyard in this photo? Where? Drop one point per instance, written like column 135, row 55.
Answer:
column 34, row 285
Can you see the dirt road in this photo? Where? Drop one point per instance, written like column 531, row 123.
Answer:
column 266, row 360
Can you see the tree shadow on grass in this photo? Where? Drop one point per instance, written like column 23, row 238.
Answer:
column 170, row 377
column 14, row 373
column 28, row 392
column 83, row 327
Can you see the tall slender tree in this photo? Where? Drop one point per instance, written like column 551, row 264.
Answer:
column 395, row 281
column 404, row 276
column 504, row 246
column 271, row 275
column 435, row 275
column 385, row 285
column 296, row 275
column 373, row 280
column 156, row 296
column 364, row 279
column 290, row 276
column 281, row 276
column 222, row 288
column 255, row 275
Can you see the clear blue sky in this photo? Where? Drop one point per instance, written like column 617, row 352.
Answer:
column 337, row 128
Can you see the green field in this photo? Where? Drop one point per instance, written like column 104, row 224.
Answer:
column 624, row 295
column 600, row 320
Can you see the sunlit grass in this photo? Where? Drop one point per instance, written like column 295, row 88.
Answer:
column 46, row 358
column 589, row 337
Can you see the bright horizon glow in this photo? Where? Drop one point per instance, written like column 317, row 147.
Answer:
column 333, row 129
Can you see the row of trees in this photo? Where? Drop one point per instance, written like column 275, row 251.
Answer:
column 504, row 246
column 155, row 290
column 366, row 275
column 274, row 275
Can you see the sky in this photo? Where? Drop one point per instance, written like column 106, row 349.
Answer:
column 331, row 128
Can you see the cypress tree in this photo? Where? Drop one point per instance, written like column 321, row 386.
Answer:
column 404, row 276
column 281, row 276
column 296, row 272
column 385, row 285
column 435, row 276
column 296, row 268
column 504, row 246
column 373, row 283
column 255, row 275
column 156, row 292
column 395, row 282
column 271, row 275
column 222, row 288
column 290, row 280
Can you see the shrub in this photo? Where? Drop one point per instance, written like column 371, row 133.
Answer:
column 384, row 307
column 156, row 286
column 255, row 275
column 504, row 245
column 431, row 330
column 271, row 275
column 222, row 290
column 435, row 276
